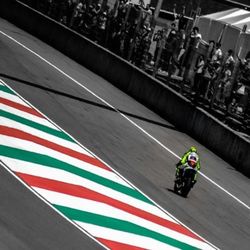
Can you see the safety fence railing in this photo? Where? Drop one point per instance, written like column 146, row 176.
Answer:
column 173, row 52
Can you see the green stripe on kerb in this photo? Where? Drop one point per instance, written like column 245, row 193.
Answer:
column 35, row 125
column 54, row 163
column 120, row 225
column 7, row 90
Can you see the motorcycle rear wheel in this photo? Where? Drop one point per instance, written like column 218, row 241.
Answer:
column 187, row 187
column 175, row 188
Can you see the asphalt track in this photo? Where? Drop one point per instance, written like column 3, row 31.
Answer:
column 209, row 211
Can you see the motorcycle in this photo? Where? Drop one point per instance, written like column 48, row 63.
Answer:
column 184, row 182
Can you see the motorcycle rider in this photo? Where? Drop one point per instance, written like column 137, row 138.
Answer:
column 190, row 158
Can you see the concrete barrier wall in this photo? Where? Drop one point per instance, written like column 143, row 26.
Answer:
column 152, row 93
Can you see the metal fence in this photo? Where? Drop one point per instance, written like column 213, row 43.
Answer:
column 175, row 53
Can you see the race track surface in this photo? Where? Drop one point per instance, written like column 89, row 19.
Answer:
column 213, row 213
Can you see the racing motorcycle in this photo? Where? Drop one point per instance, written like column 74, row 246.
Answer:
column 185, row 180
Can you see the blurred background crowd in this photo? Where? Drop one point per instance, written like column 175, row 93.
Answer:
column 173, row 51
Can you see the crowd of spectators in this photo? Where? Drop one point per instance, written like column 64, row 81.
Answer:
column 219, row 80
column 223, row 81
column 125, row 29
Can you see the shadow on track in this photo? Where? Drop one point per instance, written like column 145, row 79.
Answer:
column 172, row 191
column 35, row 85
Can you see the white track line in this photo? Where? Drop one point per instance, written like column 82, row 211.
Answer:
column 91, row 153
column 161, row 208
column 115, row 109
column 141, row 129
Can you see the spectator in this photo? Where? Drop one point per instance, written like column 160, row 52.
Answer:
column 142, row 47
column 126, row 30
column 206, row 89
column 158, row 38
column 192, row 43
column 147, row 16
column 70, row 6
column 229, row 58
column 182, row 22
column 195, row 37
column 77, row 16
column 175, row 66
column 181, row 53
column 244, row 84
column 116, row 38
column 217, row 55
column 215, row 81
column 232, row 107
column 211, row 49
column 224, row 84
column 227, row 92
column 101, row 28
column 170, row 46
column 96, row 9
column 122, row 10
column 199, row 69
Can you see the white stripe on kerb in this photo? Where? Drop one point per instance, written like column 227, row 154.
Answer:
column 28, row 116
column 49, row 137
column 109, row 211
column 124, row 237
column 66, row 177
column 13, row 98
column 36, row 148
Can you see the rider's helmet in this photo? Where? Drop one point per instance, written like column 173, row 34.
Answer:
column 192, row 159
column 193, row 149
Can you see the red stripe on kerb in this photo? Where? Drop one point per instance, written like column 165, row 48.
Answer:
column 20, row 107
column 117, row 245
column 82, row 192
column 32, row 138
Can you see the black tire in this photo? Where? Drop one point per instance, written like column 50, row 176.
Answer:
column 175, row 188
column 187, row 187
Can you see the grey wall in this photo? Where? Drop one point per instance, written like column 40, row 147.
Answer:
column 152, row 93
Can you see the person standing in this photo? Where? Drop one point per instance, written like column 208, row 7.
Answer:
column 199, row 69
column 217, row 55
column 193, row 42
column 158, row 38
